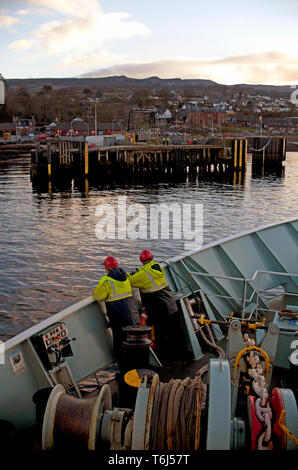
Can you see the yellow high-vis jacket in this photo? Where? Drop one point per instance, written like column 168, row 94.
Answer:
column 149, row 278
column 110, row 290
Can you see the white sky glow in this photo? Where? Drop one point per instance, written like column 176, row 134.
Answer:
column 228, row 42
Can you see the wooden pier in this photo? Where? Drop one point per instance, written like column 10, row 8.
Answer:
column 61, row 158
column 15, row 150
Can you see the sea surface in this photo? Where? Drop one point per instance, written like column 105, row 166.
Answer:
column 51, row 251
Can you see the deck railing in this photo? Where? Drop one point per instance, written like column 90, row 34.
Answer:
column 256, row 292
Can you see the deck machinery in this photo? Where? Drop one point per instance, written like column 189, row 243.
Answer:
column 238, row 408
column 245, row 398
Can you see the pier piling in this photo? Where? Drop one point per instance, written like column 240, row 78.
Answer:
column 69, row 158
column 268, row 152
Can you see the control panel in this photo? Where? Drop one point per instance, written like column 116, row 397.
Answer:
column 52, row 345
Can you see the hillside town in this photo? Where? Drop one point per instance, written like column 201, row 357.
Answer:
column 70, row 111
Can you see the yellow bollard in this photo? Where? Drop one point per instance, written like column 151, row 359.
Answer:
column 235, row 153
column 240, row 153
column 86, row 187
column 86, row 159
column 245, row 154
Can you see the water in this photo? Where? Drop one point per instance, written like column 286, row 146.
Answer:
column 51, row 258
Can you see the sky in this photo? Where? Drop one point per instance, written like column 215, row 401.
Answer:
column 228, row 41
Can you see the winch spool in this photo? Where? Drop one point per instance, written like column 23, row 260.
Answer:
column 167, row 415
column 73, row 421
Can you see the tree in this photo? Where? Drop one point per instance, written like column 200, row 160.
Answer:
column 47, row 89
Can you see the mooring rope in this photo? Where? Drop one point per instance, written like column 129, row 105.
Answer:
column 174, row 414
column 211, row 342
column 260, row 150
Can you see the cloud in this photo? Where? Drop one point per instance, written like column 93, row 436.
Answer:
column 21, row 45
column 33, row 11
column 84, row 30
column 7, row 21
column 88, row 61
column 77, row 8
column 272, row 67
column 81, row 31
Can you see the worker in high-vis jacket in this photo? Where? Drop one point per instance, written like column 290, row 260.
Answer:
column 158, row 300
column 116, row 291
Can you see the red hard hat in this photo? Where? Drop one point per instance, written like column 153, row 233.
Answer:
column 110, row 262
column 146, row 255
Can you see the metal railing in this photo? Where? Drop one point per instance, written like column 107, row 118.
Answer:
column 246, row 281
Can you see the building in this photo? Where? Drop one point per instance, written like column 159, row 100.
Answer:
column 7, row 129
column 206, row 118
column 164, row 116
column 2, row 90
column 17, row 127
column 78, row 127
column 244, row 120
column 281, row 124
column 25, row 126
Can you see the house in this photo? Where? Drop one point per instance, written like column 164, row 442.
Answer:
column 280, row 124
column 25, row 126
column 7, row 129
column 163, row 116
column 206, row 118
column 248, row 120
column 17, row 127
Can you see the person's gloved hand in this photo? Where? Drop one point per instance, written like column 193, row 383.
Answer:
column 133, row 272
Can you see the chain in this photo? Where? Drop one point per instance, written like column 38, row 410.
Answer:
column 262, row 406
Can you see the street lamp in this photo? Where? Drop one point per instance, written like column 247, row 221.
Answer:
column 95, row 116
column 75, row 120
column 114, row 120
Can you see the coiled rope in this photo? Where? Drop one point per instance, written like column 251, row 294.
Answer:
column 176, row 414
column 287, row 313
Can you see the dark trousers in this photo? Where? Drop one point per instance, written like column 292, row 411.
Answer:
column 162, row 312
column 121, row 313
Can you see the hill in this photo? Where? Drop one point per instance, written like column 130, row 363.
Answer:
column 199, row 85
